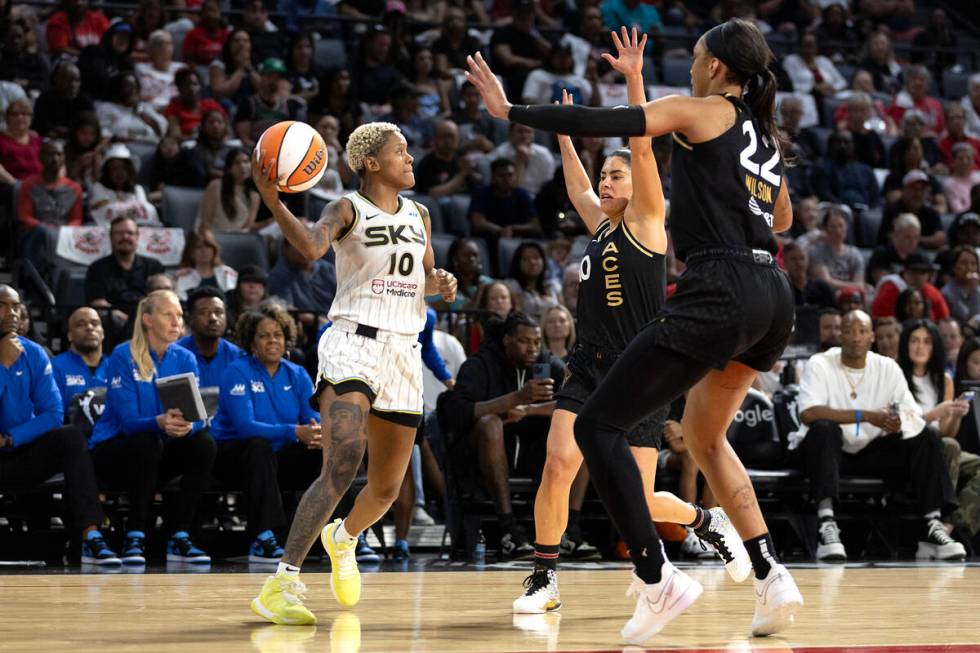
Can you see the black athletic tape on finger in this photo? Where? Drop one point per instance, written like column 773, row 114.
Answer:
column 575, row 120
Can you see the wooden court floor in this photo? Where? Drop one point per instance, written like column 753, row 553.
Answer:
column 857, row 610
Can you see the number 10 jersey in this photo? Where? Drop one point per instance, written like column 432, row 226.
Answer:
column 380, row 274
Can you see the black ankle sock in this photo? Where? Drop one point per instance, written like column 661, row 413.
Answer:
column 507, row 521
column 762, row 553
column 826, row 518
column 546, row 555
column 702, row 519
column 648, row 558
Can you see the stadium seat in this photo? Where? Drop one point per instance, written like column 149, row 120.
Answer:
column 69, row 285
column 868, row 223
column 329, row 54
column 440, row 247
column 955, row 84
column 142, row 153
column 239, row 249
column 180, row 206
column 505, row 252
column 435, row 211
column 457, row 221
column 677, row 71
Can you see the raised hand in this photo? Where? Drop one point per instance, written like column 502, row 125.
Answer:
column 489, row 86
column 630, row 48
column 263, row 176
column 566, row 98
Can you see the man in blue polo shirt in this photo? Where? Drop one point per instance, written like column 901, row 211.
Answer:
column 83, row 366
column 33, row 443
column 208, row 323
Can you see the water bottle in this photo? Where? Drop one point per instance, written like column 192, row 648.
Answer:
column 480, row 549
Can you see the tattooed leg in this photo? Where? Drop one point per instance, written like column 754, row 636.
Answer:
column 389, row 452
column 344, row 428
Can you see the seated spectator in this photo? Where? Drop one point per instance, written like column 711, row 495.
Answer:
column 159, row 281
column 915, row 186
column 299, row 13
column 233, row 76
column 811, row 72
column 454, row 42
column 116, row 193
column 829, row 328
column 200, row 265
column 268, row 106
column 118, row 281
column 911, row 305
column 164, row 168
column 56, row 107
column 74, row 26
column 935, row 46
column 890, row 258
column 570, row 282
column 477, row 129
column 841, row 178
column 372, row 76
column 832, row 259
column 859, row 417
column 18, row 63
column 137, row 445
column 406, row 112
column 33, row 443
column 962, row 292
column 558, row 332
column 84, row 149
column 916, row 275
column 303, row 82
column 645, row 17
column 535, row 165
column 443, row 172
column 266, row 431
column 230, row 203
column 868, row 146
column 338, row 173
column 465, row 263
column 806, row 145
column 204, row 162
column 519, row 48
column 879, row 120
column 491, row 409
column 528, row 278
column 187, row 110
column 433, row 88
column 888, row 331
column 20, row 148
column 545, row 85
column 915, row 96
column 492, row 299
column 306, row 285
column 83, row 366
column 249, row 292
column 806, row 221
column 47, row 201
column 100, row 63
column 202, row 45
column 956, row 133
column 208, row 323
column 879, row 60
column 913, row 127
column 266, row 38
column 127, row 118
column 157, row 76
column 150, row 15
column 963, row 176
column 971, row 106
column 806, row 291
column 502, row 210
column 912, row 160
column 952, row 336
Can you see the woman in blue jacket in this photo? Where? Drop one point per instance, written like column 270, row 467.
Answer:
column 265, row 427
column 138, row 445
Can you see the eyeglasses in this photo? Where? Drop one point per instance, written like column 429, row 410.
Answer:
column 20, row 113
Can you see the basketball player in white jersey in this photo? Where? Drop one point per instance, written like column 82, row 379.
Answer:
column 369, row 382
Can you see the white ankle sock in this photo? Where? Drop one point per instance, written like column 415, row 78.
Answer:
column 825, row 508
column 341, row 536
column 935, row 514
column 287, row 570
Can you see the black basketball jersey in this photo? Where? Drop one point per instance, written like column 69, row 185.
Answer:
column 621, row 289
column 723, row 191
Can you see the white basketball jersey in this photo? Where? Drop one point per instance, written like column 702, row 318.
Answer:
column 380, row 274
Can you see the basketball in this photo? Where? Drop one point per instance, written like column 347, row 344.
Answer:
column 299, row 153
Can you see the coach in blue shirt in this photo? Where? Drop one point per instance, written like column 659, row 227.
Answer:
column 83, row 366
column 139, row 445
column 34, row 446
column 265, row 428
column 208, row 322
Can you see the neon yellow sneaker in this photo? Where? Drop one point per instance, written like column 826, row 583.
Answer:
column 345, row 578
column 281, row 602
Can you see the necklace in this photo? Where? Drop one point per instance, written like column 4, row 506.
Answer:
column 854, row 384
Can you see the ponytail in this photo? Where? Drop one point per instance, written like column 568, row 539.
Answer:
column 139, row 346
column 760, row 95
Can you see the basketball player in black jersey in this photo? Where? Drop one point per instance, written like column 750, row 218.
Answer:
column 623, row 281
column 730, row 317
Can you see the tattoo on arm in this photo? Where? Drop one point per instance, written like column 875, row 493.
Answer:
column 329, row 227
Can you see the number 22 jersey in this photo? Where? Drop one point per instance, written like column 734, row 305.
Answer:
column 380, row 274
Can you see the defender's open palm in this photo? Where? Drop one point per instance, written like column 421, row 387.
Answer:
column 489, row 86
column 630, row 48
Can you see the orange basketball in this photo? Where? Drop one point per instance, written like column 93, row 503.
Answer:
column 299, row 153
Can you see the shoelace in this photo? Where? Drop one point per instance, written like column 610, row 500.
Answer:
column 184, row 544
column 133, row 542
column 96, row 544
column 294, row 591
column 346, row 561
column 830, row 532
column 536, row 582
column 269, row 545
column 938, row 534
column 715, row 539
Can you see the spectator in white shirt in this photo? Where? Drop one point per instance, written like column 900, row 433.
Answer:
column 127, row 118
column 116, row 194
column 811, row 72
column 962, row 178
column 971, row 104
column 156, row 76
column 544, row 85
column 535, row 163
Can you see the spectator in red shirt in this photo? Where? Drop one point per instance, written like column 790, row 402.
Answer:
column 47, row 201
column 916, row 274
column 184, row 113
column 202, row 45
column 915, row 96
column 73, row 27
column 20, row 148
column 956, row 133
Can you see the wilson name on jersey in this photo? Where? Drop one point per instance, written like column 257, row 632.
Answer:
column 380, row 271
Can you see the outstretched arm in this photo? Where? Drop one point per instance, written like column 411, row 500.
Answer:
column 577, row 181
column 312, row 242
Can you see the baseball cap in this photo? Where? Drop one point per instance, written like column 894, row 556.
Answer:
column 253, row 273
column 919, row 262
column 969, row 218
column 913, row 176
column 273, row 65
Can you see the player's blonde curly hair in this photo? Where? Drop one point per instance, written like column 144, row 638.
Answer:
column 366, row 141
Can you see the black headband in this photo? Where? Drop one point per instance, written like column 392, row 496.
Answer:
column 714, row 39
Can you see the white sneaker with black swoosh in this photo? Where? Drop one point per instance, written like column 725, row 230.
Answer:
column 777, row 600
column 659, row 603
